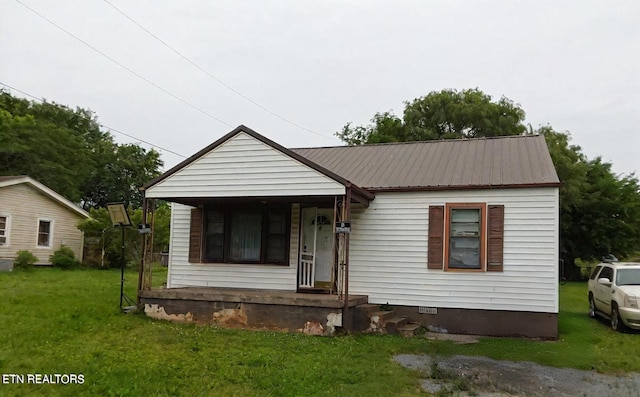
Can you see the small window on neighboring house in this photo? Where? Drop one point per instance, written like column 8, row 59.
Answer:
column 44, row 233
column 4, row 230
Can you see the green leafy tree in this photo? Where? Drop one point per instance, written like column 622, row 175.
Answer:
column 66, row 150
column 599, row 210
column 441, row 115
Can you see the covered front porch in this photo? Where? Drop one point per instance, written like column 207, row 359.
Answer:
column 248, row 214
column 277, row 310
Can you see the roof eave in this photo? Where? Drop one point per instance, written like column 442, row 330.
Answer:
column 461, row 187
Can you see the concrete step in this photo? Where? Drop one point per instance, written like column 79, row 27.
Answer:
column 378, row 319
column 409, row 330
column 392, row 325
column 384, row 315
column 368, row 308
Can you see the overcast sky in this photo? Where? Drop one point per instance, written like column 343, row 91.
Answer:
column 320, row 64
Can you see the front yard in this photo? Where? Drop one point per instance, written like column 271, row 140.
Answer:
column 67, row 322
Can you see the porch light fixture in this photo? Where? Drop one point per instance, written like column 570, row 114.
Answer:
column 120, row 217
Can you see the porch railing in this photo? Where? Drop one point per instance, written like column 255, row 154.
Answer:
column 306, row 273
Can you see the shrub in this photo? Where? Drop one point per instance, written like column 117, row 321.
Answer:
column 24, row 260
column 64, row 258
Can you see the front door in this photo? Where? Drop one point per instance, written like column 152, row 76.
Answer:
column 316, row 251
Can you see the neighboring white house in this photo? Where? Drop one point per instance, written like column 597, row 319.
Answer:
column 458, row 234
column 37, row 219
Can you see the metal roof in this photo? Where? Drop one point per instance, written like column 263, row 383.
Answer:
column 513, row 161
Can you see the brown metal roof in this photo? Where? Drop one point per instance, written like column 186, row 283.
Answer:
column 514, row 161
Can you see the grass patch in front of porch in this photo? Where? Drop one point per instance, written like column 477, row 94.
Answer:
column 67, row 322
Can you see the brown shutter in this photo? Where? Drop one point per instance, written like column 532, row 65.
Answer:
column 495, row 241
column 195, row 236
column 436, row 237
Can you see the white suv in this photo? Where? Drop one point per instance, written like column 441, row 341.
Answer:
column 614, row 292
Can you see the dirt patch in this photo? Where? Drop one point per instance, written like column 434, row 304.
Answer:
column 481, row 376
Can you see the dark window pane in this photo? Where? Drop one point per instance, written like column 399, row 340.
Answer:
column 277, row 223
column 245, row 236
column 44, row 228
column 277, row 238
column 276, row 249
column 214, row 235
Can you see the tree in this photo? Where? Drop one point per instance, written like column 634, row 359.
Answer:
column 441, row 115
column 599, row 211
column 101, row 233
column 66, row 150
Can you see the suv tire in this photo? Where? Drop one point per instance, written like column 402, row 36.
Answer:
column 592, row 306
column 616, row 321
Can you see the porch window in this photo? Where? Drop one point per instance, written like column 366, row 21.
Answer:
column 44, row 233
column 4, row 232
column 243, row 235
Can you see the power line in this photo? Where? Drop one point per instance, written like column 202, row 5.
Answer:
column 100, row 124
column 211, row 75
column 125, row 67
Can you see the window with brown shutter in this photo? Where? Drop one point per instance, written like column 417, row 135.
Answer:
column 466, row 237
column 436, row 237
column 195, row 236
column 495, row 238
column 464, row 243
column 240, row 233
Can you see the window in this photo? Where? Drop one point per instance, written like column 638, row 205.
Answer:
column 4, row 230
column 44, row 233
column 240, row 235
column 595, row 272
column 465, row 236
column 607, row 272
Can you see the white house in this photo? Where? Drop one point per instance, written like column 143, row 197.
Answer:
column 37, row 219
column 456, row 234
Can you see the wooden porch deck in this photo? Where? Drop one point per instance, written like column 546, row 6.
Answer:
column 262, row 297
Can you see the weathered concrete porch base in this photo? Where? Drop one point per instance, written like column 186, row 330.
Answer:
column 244, row 308
column 476, row 322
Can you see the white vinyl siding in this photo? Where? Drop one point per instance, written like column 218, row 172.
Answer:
column 263, row 276
column 388, row 253
column 27, row 206
column 245, row 167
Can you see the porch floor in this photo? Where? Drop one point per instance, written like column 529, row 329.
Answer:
column 264, row 297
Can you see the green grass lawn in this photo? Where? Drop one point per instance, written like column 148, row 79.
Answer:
column 68, row 322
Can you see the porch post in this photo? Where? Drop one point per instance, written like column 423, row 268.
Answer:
column 346, row 320
column 144, row 247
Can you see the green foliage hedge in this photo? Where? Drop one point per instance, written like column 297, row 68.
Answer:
column 64, row 258
column 24, row 260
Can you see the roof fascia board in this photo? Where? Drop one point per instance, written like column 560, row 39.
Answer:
column 49, row 192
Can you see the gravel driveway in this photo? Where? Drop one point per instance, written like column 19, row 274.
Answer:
column 481, row 376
